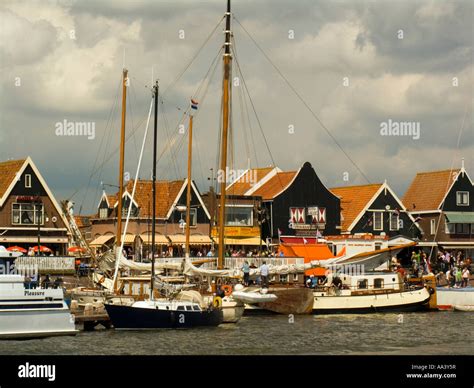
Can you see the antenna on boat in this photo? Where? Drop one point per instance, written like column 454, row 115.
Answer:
column 227, row 57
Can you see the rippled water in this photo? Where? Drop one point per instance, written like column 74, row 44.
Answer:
column 412, row 333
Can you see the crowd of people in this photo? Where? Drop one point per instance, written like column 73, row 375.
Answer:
column 454, row 267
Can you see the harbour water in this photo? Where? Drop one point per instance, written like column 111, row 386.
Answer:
column 429, row 333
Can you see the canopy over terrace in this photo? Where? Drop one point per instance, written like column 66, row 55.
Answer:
column 160, row 239
column 194, row 239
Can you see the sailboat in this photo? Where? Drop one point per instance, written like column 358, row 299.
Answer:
column 154, row 313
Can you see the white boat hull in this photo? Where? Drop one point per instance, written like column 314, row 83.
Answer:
column 232, row 310
column 34, row 324
column 396, row 301
column 447, row 298
column 26, row 313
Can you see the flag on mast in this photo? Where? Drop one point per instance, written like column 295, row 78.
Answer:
column 194, row 104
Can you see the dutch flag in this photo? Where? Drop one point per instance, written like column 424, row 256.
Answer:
column 194, row 104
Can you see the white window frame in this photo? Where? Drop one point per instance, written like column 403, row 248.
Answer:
column 102, row 212
column 34, row 210
column 433, row 226
column 381, row 221
column 295, row 277
column 459, row 196
column 28, row 181
column 393, row 214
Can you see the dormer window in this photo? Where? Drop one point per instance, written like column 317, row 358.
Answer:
column 28, row 181
column 462, row 198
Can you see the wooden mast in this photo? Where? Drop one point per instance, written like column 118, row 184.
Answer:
column 153, row 190
column 188, row 189
column 227, row 57
column 118, row 239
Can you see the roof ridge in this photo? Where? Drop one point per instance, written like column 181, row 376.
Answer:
column 437, row 171
column 350, row 187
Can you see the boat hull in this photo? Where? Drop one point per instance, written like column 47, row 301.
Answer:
column 36, row 323
column 290, row 301
column 128, row 317
column 404, row 301
column 447, row 298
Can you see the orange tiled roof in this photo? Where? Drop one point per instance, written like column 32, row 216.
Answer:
column 275, row 185
column 166, row 192
column 245, row 182
column 8, row 172
column 112, row 199
column 353, row 200
column 428, row 189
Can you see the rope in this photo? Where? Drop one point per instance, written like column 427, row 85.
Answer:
column 119, row 211
column 178, row 77
column 298, row 95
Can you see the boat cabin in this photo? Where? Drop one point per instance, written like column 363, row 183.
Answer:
column 372, row 282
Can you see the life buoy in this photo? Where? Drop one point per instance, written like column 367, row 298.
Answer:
column 227, row 289
column 217, row 302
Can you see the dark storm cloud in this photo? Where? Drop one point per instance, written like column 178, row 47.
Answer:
column 409, row 79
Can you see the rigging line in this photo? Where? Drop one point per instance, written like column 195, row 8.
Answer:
column 193, row 58
column 172, row 141
column 130, row 206
column 115, row 150
column 450, row 177
column 132, row 96
column 109, row 118
column 204, row 94
column 298, row 95
column 246, row 125
column 259, row 123
column 173, row 157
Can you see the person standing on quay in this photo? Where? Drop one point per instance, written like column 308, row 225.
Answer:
column 264, row 274
column 246, row 271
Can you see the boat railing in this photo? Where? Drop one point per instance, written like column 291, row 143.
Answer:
column 400, row 287
column 237, row 262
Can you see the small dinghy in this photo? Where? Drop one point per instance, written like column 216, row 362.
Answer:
column 252, row 297
column 463, row 308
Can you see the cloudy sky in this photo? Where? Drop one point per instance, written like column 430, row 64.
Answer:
column 355, row 64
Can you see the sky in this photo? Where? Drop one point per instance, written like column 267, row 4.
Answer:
column 329, row 82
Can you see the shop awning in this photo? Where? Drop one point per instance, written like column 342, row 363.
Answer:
column 460, row 217
column 129, row 238
column 33, row 240
column 160, row 239
column 102, row 240
column 244, row 241
column 194, row 239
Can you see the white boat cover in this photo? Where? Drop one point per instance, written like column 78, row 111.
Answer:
column 252, row 297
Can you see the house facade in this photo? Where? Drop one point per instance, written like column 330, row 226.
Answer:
column 294, row 203
column 375, row 209
column 170, row 217
column 28, row 209
column 442, row 201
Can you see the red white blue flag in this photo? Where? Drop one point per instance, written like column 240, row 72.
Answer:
column 194, row 104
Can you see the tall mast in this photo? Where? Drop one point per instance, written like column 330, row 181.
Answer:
column 118, row 239
column 153, row 190
column 188, row 190
column 227, row 57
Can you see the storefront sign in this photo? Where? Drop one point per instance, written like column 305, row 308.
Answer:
column 237, row 231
